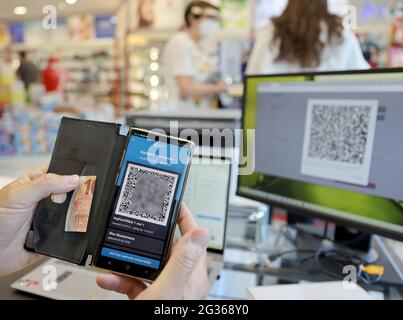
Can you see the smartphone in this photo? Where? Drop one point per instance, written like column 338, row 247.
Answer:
column 148, row 192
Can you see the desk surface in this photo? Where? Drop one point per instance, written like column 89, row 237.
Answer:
column 225, row 287
column 15, row 166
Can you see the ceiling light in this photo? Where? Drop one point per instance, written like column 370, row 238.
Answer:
column 20, row 10
column 154, row 66
column 154, row 80
column 70, row 1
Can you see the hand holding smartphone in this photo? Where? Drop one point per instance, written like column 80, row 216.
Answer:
column 123, row 216
column 143, row 216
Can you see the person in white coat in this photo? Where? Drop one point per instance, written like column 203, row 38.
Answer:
column 189, row 74
column 306, row 37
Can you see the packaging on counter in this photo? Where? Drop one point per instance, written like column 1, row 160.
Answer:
column 36, row 133
column 7, row 144
column 28, row 133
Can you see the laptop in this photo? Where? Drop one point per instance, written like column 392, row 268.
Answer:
column 206, row 195
column 60, row 280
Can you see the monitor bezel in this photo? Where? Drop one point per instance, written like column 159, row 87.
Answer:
column 369, row 228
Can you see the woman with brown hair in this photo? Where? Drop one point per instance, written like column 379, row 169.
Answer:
column 306, row 37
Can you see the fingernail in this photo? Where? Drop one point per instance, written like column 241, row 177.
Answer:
column 200, row 239
column 73, row 179
column 109, row 282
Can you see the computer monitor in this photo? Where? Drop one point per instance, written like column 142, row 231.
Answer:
column 329, row 145
column 206, row 195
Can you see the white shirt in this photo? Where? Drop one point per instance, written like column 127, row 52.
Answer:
column 183, row 57
column 336, row 56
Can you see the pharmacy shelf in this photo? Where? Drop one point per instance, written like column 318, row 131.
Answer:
column 144, row 38
column 68, row 45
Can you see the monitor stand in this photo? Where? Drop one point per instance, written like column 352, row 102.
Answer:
column 355, row 242
column 349, row 240
column 343, row 239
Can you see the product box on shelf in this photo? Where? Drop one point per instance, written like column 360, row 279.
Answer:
column 36, row 133
column 28, row 133
column 7, row 145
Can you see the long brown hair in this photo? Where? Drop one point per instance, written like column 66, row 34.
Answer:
column 298, row 30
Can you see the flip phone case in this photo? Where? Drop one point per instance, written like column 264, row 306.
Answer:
column 85, row 148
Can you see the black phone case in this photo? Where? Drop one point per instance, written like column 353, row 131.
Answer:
column 84, row 148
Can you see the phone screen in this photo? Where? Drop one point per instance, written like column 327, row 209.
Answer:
column 149, row 189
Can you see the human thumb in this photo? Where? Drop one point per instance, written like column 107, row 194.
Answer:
column 48, row 184
column 185, row 257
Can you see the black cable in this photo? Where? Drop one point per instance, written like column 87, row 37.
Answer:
column 274, row 257
column 302, row 260
column 354, row 240
column 336, row 258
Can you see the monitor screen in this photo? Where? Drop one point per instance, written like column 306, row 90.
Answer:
column 329, row 145
column 206, row 195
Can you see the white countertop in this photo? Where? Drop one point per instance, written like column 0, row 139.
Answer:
column 184, row 113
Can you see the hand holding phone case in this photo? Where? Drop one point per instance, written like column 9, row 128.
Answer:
column 85, row 148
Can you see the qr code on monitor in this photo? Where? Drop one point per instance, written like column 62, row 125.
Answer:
column 147, row 194
column 339, row 131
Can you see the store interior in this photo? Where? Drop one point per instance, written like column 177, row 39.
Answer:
column 104, row 61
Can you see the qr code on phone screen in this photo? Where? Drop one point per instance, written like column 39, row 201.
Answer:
column 147, row 194
column 339, row 132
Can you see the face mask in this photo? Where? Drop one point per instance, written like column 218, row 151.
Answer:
column 208, row 28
